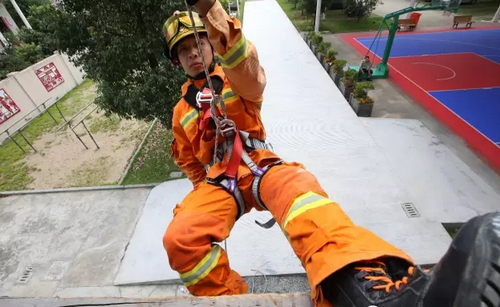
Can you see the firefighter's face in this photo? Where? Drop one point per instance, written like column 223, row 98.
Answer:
column 189, row 56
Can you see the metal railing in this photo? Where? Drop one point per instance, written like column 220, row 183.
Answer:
column 11, row 134
column 69, row 123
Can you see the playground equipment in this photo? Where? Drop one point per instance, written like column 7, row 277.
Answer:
column 382, row 69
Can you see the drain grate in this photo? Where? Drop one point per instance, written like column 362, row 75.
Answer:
column 410, row 210
column 28, row 271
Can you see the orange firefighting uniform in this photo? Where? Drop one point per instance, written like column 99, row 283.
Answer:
column 321, row 234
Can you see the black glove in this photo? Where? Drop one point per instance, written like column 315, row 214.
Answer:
column 192, row 2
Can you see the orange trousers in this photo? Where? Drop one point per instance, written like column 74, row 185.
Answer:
column 321, row 234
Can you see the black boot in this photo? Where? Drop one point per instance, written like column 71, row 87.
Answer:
column 389, row 282
column 467, row 276
column 469, row 273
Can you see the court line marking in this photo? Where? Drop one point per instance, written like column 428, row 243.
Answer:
column 427, row 33
column 434, row 64
column 444, row 40
column 485, row 57
column 466, row 89
column 435, row 54
column 439, row 101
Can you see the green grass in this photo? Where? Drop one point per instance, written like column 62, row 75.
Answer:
column 338, row 22
column 13, row 172
column 335, row 21
column 481, row 10
column 105, row 124
column 154, row 163
column 302, row 23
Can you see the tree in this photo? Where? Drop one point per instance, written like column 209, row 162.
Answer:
column 38, row 38
column 308, row 7
column 359, row 8
column 118, row 44
column 30, row 53
column 9, row 62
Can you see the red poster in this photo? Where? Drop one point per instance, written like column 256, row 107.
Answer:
column 8, row 107
column 49, row 76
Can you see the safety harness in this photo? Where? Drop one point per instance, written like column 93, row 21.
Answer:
column 237, row 145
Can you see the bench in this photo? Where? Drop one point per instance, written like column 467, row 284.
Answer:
column 458, row 19
column 406, row 23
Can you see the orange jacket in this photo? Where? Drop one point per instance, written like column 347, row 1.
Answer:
column 244, row 81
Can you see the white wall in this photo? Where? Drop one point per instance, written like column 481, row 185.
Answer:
column 28, row 92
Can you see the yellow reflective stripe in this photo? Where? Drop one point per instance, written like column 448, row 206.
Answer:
column 203, row 268
column 228, row 95
column 237, row 54
column 305, row 202
column 189, row 117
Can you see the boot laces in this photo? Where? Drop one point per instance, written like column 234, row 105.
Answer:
column 382, row 279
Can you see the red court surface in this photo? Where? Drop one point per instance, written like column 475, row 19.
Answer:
column 453, row 74
column 449, row 71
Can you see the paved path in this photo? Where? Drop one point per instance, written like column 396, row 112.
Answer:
column 64, row 240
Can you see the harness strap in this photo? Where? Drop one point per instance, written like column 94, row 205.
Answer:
column 256, row 184
column 231, row 186
column 236, row 148
column 256, row 194
column 236, row 156
column 192, row 90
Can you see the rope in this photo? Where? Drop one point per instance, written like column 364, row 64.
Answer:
column 377, row 39
column 376, row 47
column 223, row 125
column 253, row 280
column 197, row 37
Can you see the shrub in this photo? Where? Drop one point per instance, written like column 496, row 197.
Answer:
column 338, row 66
column 359, row 8
column 30, row 53
column 361, row 92
column 323, row 47
column 350, row 78
column 316, row 39
column 331, row 56
column 9, row 62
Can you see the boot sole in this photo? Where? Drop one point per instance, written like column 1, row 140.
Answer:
column 480, row 283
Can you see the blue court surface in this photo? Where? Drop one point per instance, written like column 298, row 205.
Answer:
column 483, row 42
column 478, row 107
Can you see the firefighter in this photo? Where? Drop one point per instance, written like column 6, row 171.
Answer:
column 346, row 265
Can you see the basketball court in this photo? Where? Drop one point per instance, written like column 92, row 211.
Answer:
column 453, row 73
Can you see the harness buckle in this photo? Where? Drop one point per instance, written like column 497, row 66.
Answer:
column 204, row 96
column 227, row 128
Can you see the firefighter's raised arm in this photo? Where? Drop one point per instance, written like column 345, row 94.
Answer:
column 238, row 56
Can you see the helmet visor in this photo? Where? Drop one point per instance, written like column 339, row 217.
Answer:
column 180, row 21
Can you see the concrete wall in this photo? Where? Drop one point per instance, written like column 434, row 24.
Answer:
column 77, row 72
column 29, row 93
